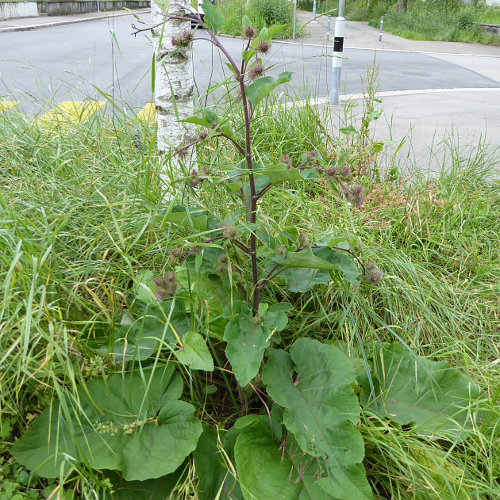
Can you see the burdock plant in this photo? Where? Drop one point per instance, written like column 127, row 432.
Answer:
column 299, row 437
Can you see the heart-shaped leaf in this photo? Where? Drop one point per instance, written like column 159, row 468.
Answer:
column 313, row 384
column 195, row 353
column 268, row 469
column 124, row 423
column 246, row 343
column 432, row 395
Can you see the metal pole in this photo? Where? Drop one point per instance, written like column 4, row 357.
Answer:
column 381, row 28
column 314, row 11
column 294, row 17
column 338, row 48
column 328, row 29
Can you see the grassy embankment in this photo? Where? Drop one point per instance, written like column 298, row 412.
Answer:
column 78, row 206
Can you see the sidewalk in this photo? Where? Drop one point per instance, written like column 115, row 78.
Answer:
column 425, row 120
column 34, row 23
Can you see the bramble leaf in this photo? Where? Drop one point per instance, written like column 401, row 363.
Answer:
column 431, row 395
column 124, row 423
column 313, row 384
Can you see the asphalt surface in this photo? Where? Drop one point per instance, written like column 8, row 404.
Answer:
column 428, row 88
column 71, row 61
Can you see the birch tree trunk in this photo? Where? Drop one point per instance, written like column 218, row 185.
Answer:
column 173, row 80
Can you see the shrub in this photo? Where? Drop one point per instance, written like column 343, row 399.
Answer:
column 261, row 13
column 271, row 11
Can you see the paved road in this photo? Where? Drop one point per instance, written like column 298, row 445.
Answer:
column 429, row 89
column 69, row 62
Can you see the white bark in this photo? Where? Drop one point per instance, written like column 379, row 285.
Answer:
column 173, row 73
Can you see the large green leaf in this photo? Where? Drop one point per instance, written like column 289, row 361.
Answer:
column 213, row 19
column 160, row 323
column 302, row 280
column 151, row 489
column 193, row 219
column 313, row 267
column 246, row 343
column 281, row 172
column 270, row 470
column 430, row 395
column 313, row 384
column 194, row 353
column 125, row 423
column 262, row 87
column 211, row 469
column 248, row 337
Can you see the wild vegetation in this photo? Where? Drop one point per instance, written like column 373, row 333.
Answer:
column 262, row 13
column 448, row 20
column 295, row 321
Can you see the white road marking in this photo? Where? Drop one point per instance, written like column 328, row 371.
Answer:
column 393, row 93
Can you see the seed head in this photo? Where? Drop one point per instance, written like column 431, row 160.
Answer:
column 264, row 47
column 221, row 269
column 332, row 172
column 287, row 159
column 176, row 254
column 281, row 250
column 203, row 135
column 165, row 287
column 228, row 231
column 356, row 195
column 257, row 320
column 373, row 274
column 194, row 178
column 256, row 71
column 303, row 241
column 249, row 32
column 185, row 38
column 311, row 155
column 345, row 171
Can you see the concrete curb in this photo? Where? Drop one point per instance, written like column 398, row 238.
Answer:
column 32, row 27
